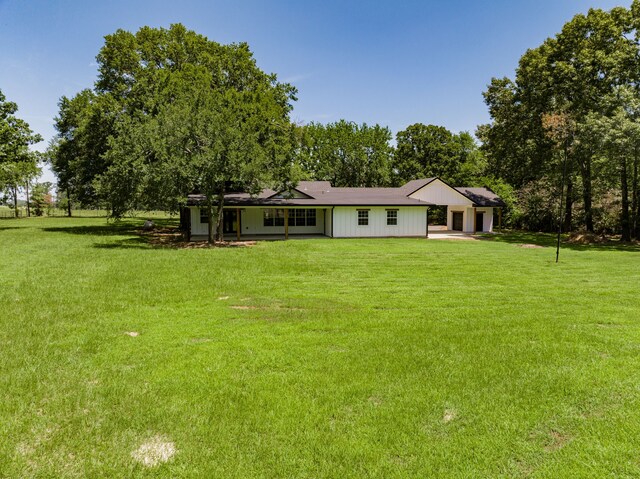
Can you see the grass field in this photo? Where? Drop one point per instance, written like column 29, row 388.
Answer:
column 314, row 358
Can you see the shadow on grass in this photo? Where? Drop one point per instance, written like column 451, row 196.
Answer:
column 549, row 240
column 135, row 238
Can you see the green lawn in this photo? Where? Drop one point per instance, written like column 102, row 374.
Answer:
column 315, row 358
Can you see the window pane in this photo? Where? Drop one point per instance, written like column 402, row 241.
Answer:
column 268, row 217
column 204, row 216
column 311, row 217
column 392, row 218
column 363, row 218
column 300, row 218
column 279, row 219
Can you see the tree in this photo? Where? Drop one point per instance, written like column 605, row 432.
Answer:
column 217, row 124
column 15, row 134
column 346, row 154
column 572, row 72
column 14, row 175
column 171, row 113
column 41, row 199
column 424, row 151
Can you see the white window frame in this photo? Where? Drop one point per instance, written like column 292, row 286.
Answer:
column 362, row 215
column 393, row 217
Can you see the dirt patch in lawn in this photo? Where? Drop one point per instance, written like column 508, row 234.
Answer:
column 556, row 440
column 155, row 451
column 243, row 307
column 133, row 334
column 174, row 238
column 449, row 415
column 529, row 245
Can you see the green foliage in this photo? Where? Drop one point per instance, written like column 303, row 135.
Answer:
column 345, row 153
column 574, row 74
column 425, row 151
column 15, row 134
column 41, row 199
column 15, row 175
column 173, row 113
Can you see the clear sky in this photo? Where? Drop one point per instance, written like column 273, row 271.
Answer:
column 393, row 63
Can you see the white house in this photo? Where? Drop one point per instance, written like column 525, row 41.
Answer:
column 317, row 208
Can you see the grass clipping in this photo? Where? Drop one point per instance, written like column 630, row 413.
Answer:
column 155, row 451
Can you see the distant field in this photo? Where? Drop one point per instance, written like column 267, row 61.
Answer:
column 314, row 358
column 8, row 212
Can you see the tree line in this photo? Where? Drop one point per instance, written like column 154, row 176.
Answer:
column 173, row 113
column 574, row 102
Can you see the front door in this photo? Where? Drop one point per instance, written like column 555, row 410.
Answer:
column 457, row 220
column 229, row 221
column 479, row 221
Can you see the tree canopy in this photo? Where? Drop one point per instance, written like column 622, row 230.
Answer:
column 172, row 113
column 575, row 74
column 346, row 154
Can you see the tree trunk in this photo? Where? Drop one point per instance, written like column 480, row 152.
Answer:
column 14, row 190
column 635, row 208
column 28, row 206
column 68, row 204
column 210, row 224
column 219, row 217
column 568, row 209
column 585, row 165
column 624, row 186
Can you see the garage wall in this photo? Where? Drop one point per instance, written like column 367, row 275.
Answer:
column 412, row 221
column 468, row 218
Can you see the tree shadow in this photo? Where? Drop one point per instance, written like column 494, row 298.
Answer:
column 137, row 242
column 134, row 237
column 5, row 228
column 549, row 240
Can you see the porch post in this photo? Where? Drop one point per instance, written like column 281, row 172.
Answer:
column 286, row 223
column 475, row 218
column 427, row 213
column 500, row 220
column 238, row 224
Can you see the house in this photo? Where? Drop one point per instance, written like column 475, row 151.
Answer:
column 317, row 208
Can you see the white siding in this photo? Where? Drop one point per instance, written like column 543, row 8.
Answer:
column 438, row 193
column 197, row 228
column 468, row 218
column 328, row 227
column 412, row 221
column 253, row 224
column 487, row 221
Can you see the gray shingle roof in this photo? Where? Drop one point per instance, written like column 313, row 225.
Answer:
column 321, row 193
column 481, row 196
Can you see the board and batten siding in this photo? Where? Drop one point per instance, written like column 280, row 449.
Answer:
column 468, row 218
column 412, row 221
column 253, row 224
column 252, row 221
column 439, row 193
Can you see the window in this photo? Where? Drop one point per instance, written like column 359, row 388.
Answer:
column 268, row 217
column 392, row 217
column 204, row 216
column 273, row 217
column 363, row 217
column 311, row 217
column 279, row 218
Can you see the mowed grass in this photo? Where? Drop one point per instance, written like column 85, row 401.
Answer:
column 315, row 358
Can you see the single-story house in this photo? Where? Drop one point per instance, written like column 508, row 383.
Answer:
column 317, row 208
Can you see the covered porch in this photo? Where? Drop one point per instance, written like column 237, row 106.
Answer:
column 260, row 223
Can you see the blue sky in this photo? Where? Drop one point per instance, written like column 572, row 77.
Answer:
column 393, row 63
